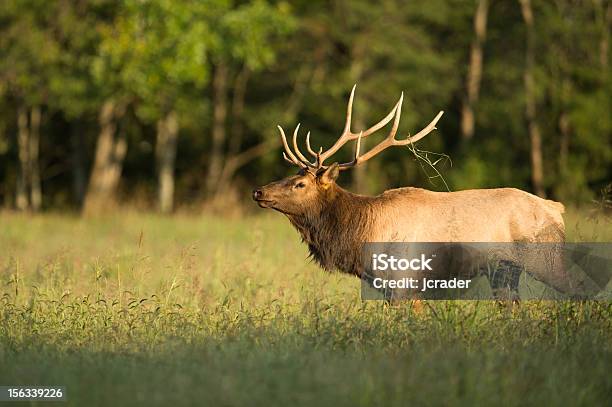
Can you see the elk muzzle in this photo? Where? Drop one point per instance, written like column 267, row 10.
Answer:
column 262, row 199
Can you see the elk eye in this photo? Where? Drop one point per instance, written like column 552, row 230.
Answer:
column 300, row 185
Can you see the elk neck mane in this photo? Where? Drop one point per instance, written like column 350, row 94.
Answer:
column 336, row 228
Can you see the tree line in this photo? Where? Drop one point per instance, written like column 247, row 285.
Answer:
column 176, row 102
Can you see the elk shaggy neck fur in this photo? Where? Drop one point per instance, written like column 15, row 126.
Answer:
column 336, row 227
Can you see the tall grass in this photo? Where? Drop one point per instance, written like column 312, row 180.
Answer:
column 156, row 310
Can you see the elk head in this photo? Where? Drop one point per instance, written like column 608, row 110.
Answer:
column 314, row 185
column 306, row 191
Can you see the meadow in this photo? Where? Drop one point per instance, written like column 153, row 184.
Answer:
column 141, row 309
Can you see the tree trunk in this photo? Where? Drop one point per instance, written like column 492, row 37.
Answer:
column 537, row 171
column 23, row 141
column 167, row 135
column 234, row 159
column 78, row 166
column 303, row 82
column 564, row 129
column 34, row 146
column 605, row 41
column 474, row 74
column 110, row 152
column 237, row 127
column 218, row 131
column 603, row 14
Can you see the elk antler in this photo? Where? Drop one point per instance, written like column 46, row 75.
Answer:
column 347, row 136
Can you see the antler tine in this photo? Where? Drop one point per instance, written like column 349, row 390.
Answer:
column 426, row 130
column 292, row 158
column 385, row 120
column 358, row 146
column 349, row 111
column 287, row 159
column 398, row 114
column 347, row 135
column 297, row 149
column 391, row 141
column 357, row 156
column 308, row 148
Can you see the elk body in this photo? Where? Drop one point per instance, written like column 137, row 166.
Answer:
column 335, row 222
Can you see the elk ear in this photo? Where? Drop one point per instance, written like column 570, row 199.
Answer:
column 328, row 175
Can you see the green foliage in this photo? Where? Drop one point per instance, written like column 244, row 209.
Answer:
column 301, row 60
column 155, row 49
column 162, row 50
column 247, row 32
column 27, row 50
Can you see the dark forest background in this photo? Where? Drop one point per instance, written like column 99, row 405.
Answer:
column 166, row 104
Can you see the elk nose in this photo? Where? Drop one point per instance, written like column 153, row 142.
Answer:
column 257, row 194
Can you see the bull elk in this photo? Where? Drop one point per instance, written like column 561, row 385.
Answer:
column 335, row 222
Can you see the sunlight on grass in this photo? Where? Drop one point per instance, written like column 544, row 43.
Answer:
column 206, row 310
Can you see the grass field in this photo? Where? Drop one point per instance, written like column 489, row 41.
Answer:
column 185, row 310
